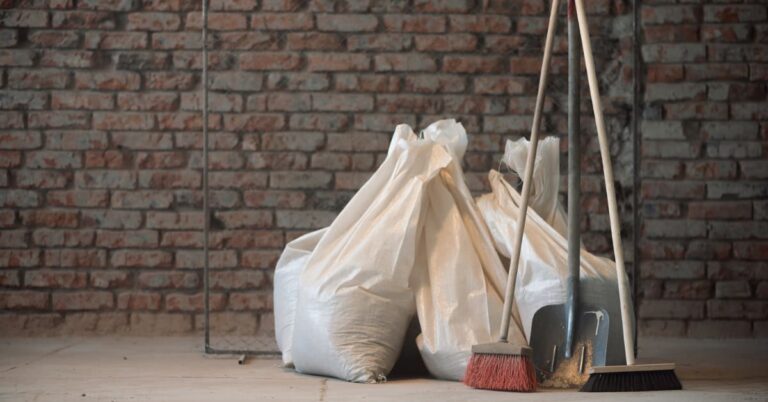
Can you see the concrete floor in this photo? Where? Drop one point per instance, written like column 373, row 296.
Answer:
column 174, row 369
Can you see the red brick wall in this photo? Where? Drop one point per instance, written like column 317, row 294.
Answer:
column 704, row 248
column 100, row 145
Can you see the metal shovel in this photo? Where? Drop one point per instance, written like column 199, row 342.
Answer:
column 569, row 333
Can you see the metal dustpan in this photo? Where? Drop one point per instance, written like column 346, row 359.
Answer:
column 560, row 363
column 568, row 338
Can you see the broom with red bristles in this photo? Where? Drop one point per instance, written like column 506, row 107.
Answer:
column 505, row 366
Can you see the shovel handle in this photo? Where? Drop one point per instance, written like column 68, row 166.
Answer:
column 574, row 180
column 526, row 192
column 613, row 210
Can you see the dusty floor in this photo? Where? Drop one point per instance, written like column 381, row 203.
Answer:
column 174, row 369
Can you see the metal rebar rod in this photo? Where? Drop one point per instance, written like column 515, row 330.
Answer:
column 206, row 206
column 574, row 178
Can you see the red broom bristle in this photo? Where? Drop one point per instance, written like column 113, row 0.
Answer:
column 501, row 373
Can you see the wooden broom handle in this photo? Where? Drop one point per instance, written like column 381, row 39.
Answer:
column 515, row 252
column 613, row 210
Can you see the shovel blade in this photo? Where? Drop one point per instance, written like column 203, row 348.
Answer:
column 548, row 335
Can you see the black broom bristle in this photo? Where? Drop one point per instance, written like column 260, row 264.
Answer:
column 629, row 381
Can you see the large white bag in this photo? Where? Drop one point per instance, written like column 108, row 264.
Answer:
column 355, row 300
column 543, row 263
column 459, row 279
column 286, row 288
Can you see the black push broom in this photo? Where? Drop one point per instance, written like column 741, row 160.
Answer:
column 632, row 376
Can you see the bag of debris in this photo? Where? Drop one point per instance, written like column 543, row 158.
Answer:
column 354, row 295
column 286, row 284
column 543, row 266
column 459, row 281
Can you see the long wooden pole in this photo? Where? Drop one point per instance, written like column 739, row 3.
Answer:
column 613, row 210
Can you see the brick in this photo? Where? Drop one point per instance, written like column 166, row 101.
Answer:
column 289, row 102
column 238, row 180
column 282, row 21
column 217, row 259
column 126, row 239
column 170, row 279
column 753, row 169
column 143, row 140
column 13, row 239
column 347, row 22
column 687, row 289
column 75, row 258
column 23, row 299
column 414, row 23
column 218, row 21
column 304, row 219
column 149, row 21
column 736, row 189
column 324, row 122
column 50, row 218
column 237, row 239
column 720, row 210
column 729, row 130
column 291, row 180
column 270, row 61
column 113, row 80
column 140, row 258
column 237, row 280
column 20, row 140
column 381, row 42
column 750, row 309
column 753, row 250
column 672, row 189
column 674, row 53
column 738, row 289
column 473, row 64
column 38, row 79
column 110, row 279
column 85, row 300
column 246, row 41
column 54, row 39
column 726, row 32
column 169, row 179
column 314, row 41
column 338, row 62
column 16, row 57
column 62, row 237
column 109, row 219
column 665, row 309
column 734, row 13
column 137, row 301
column 105, row 179
column 176, row 40
column 9, row 279
column 59, row 119
column 11, row 120
column 719, row 329
column 480, row 23
column 55, row 279
column 9, row 37
column 670, row 14
column 25, row 19
column 664, row 73
column 260, row 259
column 19, row 258
column 272, row 198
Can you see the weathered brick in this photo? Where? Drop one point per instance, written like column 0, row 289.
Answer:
column 83, row 300
column 126, row 239
column 414, row 23
column 338, row 62
column 23, row 299
column 282, row 21
column 190, row 303
column 686, row 309
column 55, row 279
column 169, row 279
column 75, row 258
column 719, row 329
column 347, row 22
column 137, row 301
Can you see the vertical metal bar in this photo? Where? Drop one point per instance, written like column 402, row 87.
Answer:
column 206, row 206
column 636, row 144
column 574, row 178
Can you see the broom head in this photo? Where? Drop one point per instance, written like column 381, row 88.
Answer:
column 501, row 366
column 637, row 377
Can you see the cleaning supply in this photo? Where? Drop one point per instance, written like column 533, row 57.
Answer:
column 502, row 365
column 631, row 377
